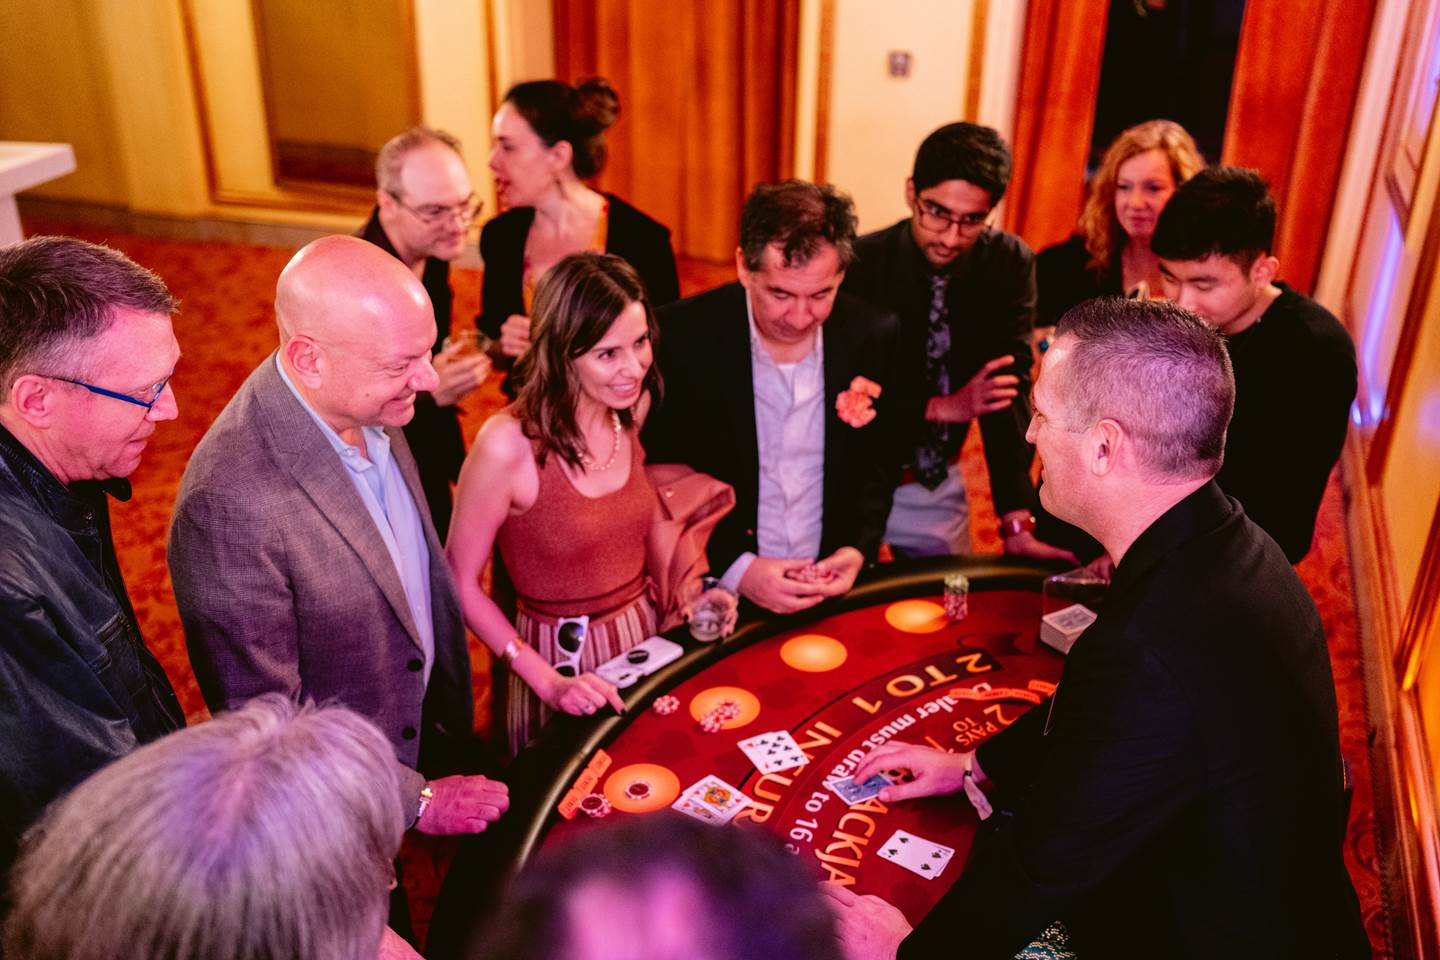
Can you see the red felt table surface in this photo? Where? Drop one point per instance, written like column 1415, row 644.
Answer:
column 841, row 686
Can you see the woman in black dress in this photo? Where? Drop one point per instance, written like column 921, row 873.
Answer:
column 1109, row 254
column 549, row 137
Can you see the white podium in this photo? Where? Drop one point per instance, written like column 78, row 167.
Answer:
column 22, row 166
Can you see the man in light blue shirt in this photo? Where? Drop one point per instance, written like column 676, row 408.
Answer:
column 781, row 385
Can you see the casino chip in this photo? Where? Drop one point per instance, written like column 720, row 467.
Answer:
column 666, row 705
column 712, row 722
column 727, row 710
column 595, row 804
column 637, row 790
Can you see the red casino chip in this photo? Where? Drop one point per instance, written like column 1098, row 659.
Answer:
column 666, row 705
column 727, row 710
column 712, row 722
column 638, row 790
column 595, row 805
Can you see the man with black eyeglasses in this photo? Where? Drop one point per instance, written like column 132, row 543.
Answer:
column 86, row 353
column 424, row 206
column 965, row 295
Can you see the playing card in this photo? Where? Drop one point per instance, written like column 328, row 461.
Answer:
column 639, row 661
column 853, row 793
column 774, row 751
column 711, row 800
column 922, row 857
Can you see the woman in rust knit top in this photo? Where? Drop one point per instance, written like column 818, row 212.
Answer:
column 557, row 481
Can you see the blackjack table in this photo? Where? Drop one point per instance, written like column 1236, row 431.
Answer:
column 881, row 664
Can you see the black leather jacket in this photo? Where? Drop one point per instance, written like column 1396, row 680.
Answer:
column 78, row 688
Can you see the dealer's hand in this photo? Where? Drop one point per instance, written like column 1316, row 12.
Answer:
column 774, row 584
column 868, row 927
column 985, row 392
column 463, row 805
column 936, row 772
column 515, row 335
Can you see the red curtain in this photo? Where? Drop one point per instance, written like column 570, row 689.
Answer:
column 1059, row 80
column 1296, row 77
column 707, row 94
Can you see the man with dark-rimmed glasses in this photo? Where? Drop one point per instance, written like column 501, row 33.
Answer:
column 965, row 295
column 86, row 354
column 424, row 206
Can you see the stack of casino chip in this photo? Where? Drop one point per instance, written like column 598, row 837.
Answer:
column 666, row 705
column 715, row 720
column 595, row 805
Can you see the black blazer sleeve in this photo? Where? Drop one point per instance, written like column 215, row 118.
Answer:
column 706, row 419
column 999, row 294
column 645, row 243
column 502, row 248
column 862, row 465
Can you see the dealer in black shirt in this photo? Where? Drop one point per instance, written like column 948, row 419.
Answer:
column 1182, row 793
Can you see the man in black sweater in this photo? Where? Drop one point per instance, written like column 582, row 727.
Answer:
column 1294, row 363
column 1182, row 792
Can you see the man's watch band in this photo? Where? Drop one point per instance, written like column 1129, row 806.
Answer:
column 1017, row 525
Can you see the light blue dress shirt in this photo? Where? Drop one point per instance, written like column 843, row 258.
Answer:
column 790, row 434
column 382, row 489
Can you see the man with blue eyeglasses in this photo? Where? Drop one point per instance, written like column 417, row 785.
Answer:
column 86, row 354
column 965, row 295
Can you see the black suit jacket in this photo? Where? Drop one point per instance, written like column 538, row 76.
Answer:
column 1188, row 790
column 991, row 304
column 642, row 241
column 707, row 417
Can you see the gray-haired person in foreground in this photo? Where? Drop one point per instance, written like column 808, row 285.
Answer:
column 267, row 832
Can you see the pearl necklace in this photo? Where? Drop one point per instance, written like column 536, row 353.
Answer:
column 589, row 464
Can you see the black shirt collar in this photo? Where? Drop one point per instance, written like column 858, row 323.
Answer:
column 1199, row 513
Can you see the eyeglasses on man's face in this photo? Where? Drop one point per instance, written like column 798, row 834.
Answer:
column 146, row 398
column 937, row 218
column 433, row 214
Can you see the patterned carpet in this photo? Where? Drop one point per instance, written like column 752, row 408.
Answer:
column 226, row 327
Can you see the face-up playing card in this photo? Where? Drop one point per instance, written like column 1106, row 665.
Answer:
column 639, row 661
column 852, row 792
column 774, row 751
column 711, row 800
column 920, row 856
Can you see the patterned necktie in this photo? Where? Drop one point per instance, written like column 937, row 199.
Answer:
column 931, row 460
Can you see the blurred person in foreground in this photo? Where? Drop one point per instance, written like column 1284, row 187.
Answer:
column 664, row 887
column 266, row 833
column 1183, row 789
column 87, row 349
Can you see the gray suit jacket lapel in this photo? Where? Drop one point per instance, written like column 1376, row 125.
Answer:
column 303, row 450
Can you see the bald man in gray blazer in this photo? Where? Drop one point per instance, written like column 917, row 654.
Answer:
column 301, row 548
